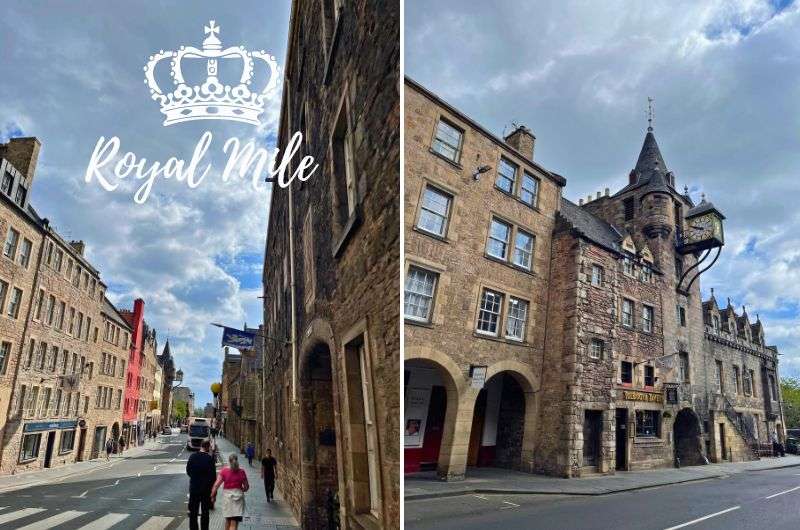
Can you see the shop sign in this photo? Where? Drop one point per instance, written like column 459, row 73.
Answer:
column 478, row 376
column 49, row 425
column 637, row 395
column 671, row 393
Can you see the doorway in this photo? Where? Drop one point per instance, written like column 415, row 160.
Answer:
column 592, row 428
column 688, row 440
column 622, row 439
column 476, row 432
column 48, row 454
column 722, row 447
column 432, row 440
column 81, row 446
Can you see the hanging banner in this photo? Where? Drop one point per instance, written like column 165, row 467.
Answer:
column 235, row 338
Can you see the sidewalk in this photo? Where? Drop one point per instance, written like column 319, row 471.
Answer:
column 258, row 513
column 27, row 479
column 493, row 480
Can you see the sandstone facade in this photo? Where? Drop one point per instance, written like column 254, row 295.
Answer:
column 331, row 321
column 618, row 364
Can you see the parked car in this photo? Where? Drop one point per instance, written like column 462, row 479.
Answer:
column 184, row 429
column 793, row 441
column 166, row 430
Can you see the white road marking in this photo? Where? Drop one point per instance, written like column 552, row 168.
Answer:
column 709, row 516
column 138, row 475
column 481, row 497
column 81, row 496
column 782, row 492
column 510, row 505
column 19, row 514
column 162, row 500
column 134, row 499
column 105, row 522
column 156, row 522
column 54, row 521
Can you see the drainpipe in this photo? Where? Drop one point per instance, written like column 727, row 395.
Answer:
column 292, row 298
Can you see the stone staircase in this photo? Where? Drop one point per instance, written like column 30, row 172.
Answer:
column 742, row 428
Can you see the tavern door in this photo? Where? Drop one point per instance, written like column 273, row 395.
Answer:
column 592, row 427
column 622, row 439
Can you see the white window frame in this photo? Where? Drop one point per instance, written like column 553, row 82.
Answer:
column 596, row 347
column 648, row 314
column 491, row 238
column 516, row 322
column 627, row 317
column 523, row 189
column 428, row 297
column 437, row 141
column 597, row 275
column 427, row 210
column 11, row 243
column 503, row 177
column 483, row 309
column 526, row 264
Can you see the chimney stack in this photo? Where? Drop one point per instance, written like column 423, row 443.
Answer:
column 78, row 246
column 598, row 195
column 523, row 140
column 23, row 153
column 606, row 192
column 580, row 202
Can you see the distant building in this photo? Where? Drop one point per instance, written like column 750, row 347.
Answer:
column 208, row 410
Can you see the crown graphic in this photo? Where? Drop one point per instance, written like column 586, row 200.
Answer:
column 211, row 100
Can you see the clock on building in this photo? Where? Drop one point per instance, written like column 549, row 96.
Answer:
column 703, row 229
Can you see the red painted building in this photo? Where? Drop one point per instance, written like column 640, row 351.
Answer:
column 130, row 411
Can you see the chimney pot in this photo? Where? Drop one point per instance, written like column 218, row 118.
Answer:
column 523, row 140
column 606, row 192
column 598, row 195
column 580, row 202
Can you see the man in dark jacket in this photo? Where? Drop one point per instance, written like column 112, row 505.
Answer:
column 202, row 474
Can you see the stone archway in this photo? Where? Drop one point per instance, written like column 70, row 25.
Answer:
column 504, row 417
column 687, row 439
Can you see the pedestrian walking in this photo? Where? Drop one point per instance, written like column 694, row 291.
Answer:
column 250, row 451
column 109, row 448
column 121, row 444
column 202, row 471
column 234, row 484
column 268, row 464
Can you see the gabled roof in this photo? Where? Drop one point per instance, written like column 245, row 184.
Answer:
column 113, row 314
column 589, row 226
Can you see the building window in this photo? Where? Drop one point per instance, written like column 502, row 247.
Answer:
column 681, row 313
column 8, row 183
column 67, row 441
column 30, row 447
column 772, row 388
column 523, row 249
column 447, row 141
column 15, row 302
column 629, row 208
column 737, row 379
column 5, row 353
column 506, row 176
column 719, row 378
column 597, row 275
column 649, row 376
column 489, row 314
column 626, row 373
column 3, row 293
column 754, row 387
column 22, row 193
column 434, row 211
column 647, row 274
column 715, row 323
column 25, row 252
column 499, row 234
column 627, row 312
column 647, row 319
column 517, row 317
column 596, row 349
column 529, row 192
column 51, row 309
column 627, row 266
column 344, row 164
column 10, row 248
column 648, row 423
column 420, row 286
column 39, row 305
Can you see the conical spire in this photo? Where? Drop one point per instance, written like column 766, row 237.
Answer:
column 650, row 157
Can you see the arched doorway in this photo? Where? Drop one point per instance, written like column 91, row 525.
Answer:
column 686, row 436
column 320, row 466
column 500, row 433
column 425, row 392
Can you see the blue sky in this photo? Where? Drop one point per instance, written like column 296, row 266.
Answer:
column 725, row 75
column 71, row 75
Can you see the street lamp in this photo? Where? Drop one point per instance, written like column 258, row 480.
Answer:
column 178, row 379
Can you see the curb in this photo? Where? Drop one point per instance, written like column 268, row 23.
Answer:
column 507, row 491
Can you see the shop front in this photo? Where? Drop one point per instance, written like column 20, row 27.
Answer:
column 47, row 442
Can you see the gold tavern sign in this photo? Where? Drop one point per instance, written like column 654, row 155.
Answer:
column 636, row 395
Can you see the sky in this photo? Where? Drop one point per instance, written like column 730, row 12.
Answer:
column 725, row 77
column 195, row 255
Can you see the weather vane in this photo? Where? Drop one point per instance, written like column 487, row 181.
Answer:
column 650, row 113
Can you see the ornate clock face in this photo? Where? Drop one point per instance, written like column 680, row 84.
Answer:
column 702, row 228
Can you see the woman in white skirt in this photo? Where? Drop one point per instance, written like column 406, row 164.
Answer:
column 234, row 484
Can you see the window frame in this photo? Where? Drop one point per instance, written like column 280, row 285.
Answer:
column 490, row 238
column 596, row 348
column 648, row 318
column 599, row 269
column 629, row 314
column 655, row 423
column 649, row 373
column 523, row 327
column 431, row 298
column 458, row 149
column 517, row 250
column 422, row 208
column 498, row 321
column 622, row 370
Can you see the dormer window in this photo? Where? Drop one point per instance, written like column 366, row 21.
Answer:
column 20, row 196
column 8, row 183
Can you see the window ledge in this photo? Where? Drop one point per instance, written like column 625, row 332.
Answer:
column 347, row 232
column 501, row 339
column 430, row 234
column 449, row 161
column 412, row 322
column 509, row 264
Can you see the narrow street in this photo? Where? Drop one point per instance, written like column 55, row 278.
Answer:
column 756, row 499
column 145, row 491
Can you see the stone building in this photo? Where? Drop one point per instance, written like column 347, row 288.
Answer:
column 111, row 373
column 169, row 373
column 613, row 362
column 53, row 307
column 244, row 420
column 331, row 319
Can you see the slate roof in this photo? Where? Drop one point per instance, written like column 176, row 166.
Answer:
column 114, row 314
column 589, row 226
column 704, row 207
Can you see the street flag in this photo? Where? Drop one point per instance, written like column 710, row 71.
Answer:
column 242, row 340
column 666, row 361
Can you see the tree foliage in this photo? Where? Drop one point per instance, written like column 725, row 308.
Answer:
column 180, row 410
column 790, row 391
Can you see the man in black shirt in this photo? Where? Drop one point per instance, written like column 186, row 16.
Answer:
column 202, row 474
column 268, row 464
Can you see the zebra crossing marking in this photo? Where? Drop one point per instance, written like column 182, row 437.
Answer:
column 53, row 521
column 156, row 522
column 19, row 514
column 105, row 522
